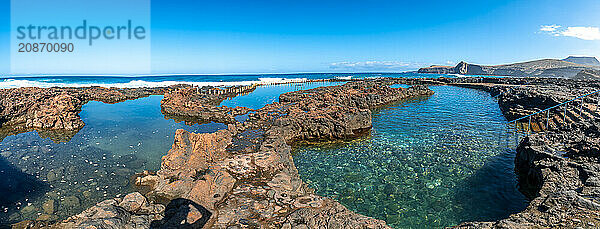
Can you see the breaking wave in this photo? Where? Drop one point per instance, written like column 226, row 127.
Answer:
column 17, row 83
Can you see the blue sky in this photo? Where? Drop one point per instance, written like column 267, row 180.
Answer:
column 218, row 37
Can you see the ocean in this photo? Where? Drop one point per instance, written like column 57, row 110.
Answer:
column 167, row 80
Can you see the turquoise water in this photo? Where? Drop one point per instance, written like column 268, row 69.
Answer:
column 117, row 141
column 134, row 127
column 264, row 95
column 428, row 162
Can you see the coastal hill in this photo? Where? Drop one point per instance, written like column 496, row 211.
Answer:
column 536, row 68
column 585, row 60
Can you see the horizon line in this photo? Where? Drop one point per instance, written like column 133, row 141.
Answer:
column 190, row 74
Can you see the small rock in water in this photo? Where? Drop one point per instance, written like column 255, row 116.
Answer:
column 70, row 202
column 14, row 217
column 28, row 210
column 51, row 176
column 46, row 217
column 48, row 207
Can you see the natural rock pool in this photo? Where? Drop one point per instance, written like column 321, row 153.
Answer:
column 45, row 180
column 429, row 162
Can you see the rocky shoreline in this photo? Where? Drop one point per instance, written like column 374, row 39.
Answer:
column 245, row 176
column 54, row 111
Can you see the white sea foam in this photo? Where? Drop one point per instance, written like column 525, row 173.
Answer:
column 17, row 83
column 457, row 75
column 344, row 77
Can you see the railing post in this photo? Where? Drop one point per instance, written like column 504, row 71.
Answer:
column 581, row 109
column 565, row 114
column 547, row 118
column 598, row 105
column 529, row 126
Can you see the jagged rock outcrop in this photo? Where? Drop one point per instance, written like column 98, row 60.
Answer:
column 202, row 104
column 245, row 175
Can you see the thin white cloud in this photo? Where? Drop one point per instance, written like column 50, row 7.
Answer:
column 580, row 32
column 549, row 28
column 373, row 65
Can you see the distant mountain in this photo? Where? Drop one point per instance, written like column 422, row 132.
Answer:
column 536, row 68
column 585, row 60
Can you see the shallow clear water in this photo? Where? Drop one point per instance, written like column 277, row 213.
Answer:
column 135, row 127
column 428, row 162
column 117, row 141
column 264, row 95
column 410, row 171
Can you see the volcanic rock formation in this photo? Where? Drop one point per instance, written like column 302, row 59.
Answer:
column 245, row 176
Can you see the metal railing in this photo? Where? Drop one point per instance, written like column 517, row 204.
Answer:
column 547, row 110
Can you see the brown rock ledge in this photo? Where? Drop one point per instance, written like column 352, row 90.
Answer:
column 54, row 111
column 202, row 104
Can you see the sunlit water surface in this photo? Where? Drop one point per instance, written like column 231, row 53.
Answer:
column 428, row 162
